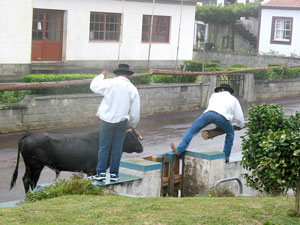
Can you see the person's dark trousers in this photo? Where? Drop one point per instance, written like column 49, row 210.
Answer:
column 112, row 136
column 201, row 122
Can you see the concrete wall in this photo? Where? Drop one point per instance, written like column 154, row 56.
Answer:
column 41, row 112
column 216, row 34
column 265, row 45
column 228, row 59
column 203, row 170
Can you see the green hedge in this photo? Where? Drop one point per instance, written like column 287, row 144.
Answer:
column 55, row 77
column 16, row 96
column 196, row 66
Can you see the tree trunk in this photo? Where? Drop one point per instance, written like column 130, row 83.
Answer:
column 297, row 198
column 231, row 28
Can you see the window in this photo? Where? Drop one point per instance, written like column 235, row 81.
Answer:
column 47, row 25
column 160, row 28
column 282, row 30
column 105, row 26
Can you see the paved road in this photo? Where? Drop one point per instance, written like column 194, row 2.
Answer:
column 158, row 132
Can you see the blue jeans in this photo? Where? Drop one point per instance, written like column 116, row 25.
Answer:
column 112, row 136
column 201, row 122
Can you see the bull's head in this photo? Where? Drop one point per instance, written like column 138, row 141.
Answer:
column 132, row 142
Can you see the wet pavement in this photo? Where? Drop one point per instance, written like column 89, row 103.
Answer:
column 158, row 132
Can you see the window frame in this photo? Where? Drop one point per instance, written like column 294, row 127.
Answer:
column 273, row 30
column 105, row 23
column 154, row 32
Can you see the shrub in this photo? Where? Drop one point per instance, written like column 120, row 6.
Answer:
column 55, row 77
column 76, row 185
column 238, row 66
column 9, row 97
column 141, row 80
column 291, row 73
column 271, row 151
column 164, row 79
column 173, row 79
column 196, row 66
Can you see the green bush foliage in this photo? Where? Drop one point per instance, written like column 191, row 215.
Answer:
column 218, row 14
column 12, row 96
column 76, row 185
column 271, row 151
column 55, row 77
column 141, row 80
column 196, row 66
column 16, row 96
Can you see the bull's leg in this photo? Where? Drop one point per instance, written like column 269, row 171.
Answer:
column 26, row 179
column 35, row 175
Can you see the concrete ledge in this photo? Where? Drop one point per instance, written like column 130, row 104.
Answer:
column 205, row 155
column 123, row 179
column 140, row 165
column 150, row 172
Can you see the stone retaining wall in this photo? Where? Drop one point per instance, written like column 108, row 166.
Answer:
column 43, row 112
column 229, row 59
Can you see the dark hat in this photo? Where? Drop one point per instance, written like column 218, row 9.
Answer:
column 123, row 69
column 226, row 87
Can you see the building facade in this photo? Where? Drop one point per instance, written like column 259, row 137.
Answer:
column 278, row 28
column 95, row 34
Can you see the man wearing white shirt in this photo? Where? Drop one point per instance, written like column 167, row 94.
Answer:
column 119, row 109
column 222, row 108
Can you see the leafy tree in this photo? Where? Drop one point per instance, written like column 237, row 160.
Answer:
column 271, row 151
column 228, row 14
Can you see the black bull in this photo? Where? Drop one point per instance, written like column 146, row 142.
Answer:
column 74, row 153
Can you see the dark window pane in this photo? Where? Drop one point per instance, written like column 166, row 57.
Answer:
column 108, row 24
column 40, row 36
column 57, row 38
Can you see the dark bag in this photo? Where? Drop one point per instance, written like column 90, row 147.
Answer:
column 132, row 142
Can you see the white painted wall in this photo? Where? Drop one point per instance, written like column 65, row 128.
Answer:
column 265, row 32
column 15, row 31
column 78, row 47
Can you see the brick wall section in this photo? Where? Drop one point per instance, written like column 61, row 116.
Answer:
column 43, row 112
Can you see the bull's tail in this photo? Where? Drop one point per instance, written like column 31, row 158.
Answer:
column 15, row 175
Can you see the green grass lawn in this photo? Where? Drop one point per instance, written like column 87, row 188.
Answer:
column 88, row 209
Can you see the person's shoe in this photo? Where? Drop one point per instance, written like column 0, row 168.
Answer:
column 114, row 177
column 226, row 160
column 174, row 149
column 100, row 177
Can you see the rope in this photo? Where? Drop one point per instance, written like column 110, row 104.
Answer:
column 179, row 33
column 121, row 30
column 151, row 25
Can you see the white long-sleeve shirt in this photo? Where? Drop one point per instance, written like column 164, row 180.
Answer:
column 226, row 105
column 120, row 101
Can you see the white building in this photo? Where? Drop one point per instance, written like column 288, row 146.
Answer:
column 279, row 24
column 95, row 33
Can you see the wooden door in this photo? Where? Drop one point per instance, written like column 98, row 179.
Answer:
column 47, row 35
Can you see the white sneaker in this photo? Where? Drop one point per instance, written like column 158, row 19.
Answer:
column 114, row 177
column 100, row 177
